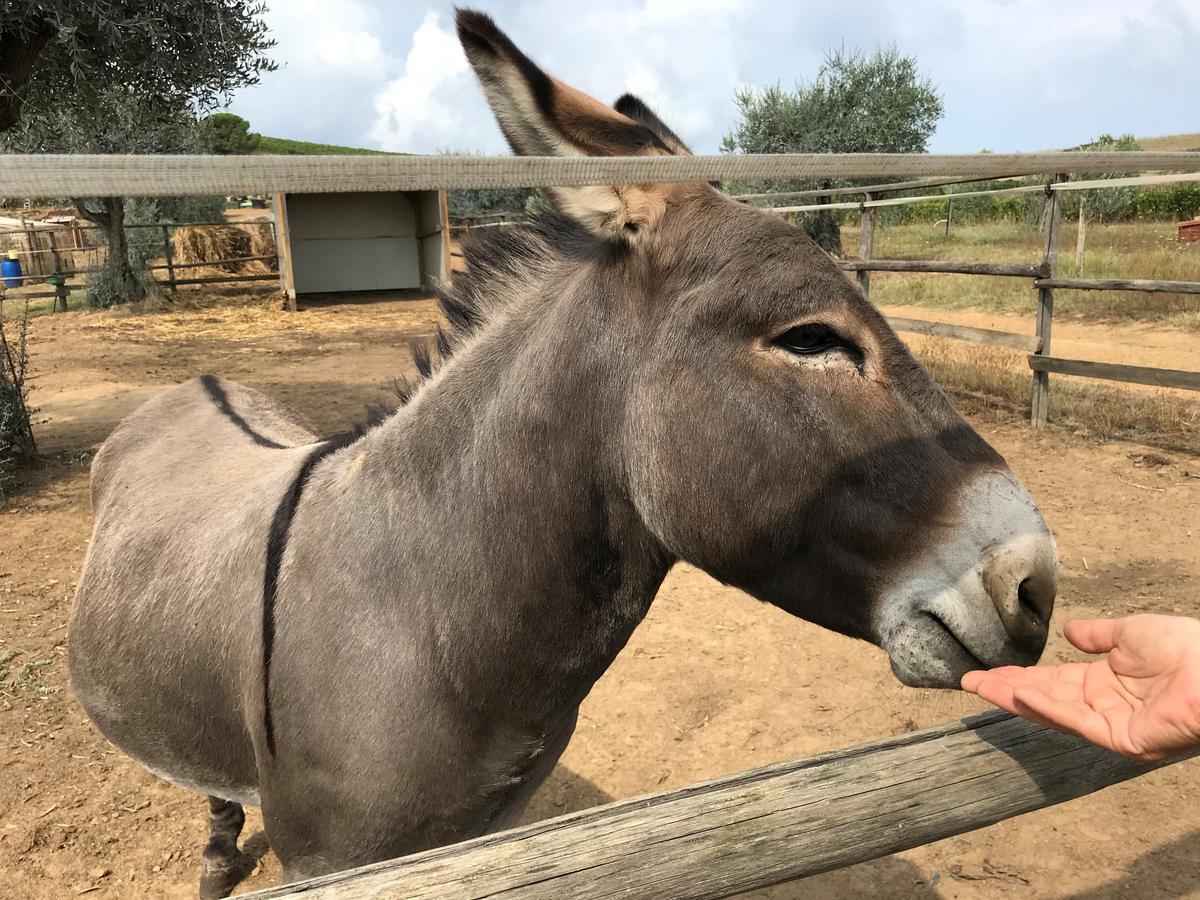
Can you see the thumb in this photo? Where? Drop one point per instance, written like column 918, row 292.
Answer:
column 1094, row 635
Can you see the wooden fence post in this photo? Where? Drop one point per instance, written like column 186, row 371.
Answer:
column 949, row 215
column 866, row 243
column 169, row 259
column 1040, row 402
column 1081, row 236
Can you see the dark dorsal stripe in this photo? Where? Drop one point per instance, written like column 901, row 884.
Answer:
column 281, row 524
column 214, row 390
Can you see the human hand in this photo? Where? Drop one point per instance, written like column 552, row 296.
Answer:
column 1142, row 700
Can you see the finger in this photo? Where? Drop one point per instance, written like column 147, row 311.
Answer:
column 970, row 681
column 1078, row 719
column 998, row 692
column 1069, row 673
column 1094, row 635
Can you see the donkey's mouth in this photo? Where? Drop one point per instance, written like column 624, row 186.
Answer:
column 925, row 652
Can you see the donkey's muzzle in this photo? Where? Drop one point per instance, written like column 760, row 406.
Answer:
column 978, row 596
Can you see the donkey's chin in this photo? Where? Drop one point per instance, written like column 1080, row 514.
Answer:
column 925, row 653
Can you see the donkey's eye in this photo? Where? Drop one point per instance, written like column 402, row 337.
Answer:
column 813, row 338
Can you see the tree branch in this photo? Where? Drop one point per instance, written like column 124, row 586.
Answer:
column 100, row 218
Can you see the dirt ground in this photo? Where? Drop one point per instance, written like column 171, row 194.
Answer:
column 711, row 684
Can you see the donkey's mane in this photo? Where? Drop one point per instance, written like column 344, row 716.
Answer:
column 501, row 263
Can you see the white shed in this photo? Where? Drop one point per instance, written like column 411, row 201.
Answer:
column 333, row 243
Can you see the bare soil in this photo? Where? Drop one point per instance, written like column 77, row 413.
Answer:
column 711, row 684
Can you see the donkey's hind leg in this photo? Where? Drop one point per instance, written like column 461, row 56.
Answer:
column 224, row 864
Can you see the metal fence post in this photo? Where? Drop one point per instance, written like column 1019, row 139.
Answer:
column 866, row 242
column 1040, row 401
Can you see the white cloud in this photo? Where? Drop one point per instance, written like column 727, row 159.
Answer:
column 1017, row 74
column 422, row 109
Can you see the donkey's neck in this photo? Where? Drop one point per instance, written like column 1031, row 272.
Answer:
column 533, row 564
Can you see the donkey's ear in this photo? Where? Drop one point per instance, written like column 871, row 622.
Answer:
column 633, row 108
column 541, row 116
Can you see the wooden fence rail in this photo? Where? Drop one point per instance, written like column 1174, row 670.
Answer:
column 1167, row 378
column 1121, row 284
column 760, row 827
column 1011, row 270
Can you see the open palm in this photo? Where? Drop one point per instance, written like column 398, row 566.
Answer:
column 1142, row 700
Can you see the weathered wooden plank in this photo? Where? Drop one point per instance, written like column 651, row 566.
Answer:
column 1149, row 286
column 1039, row 403
column 271, row 276
column 83, row 175
column 1169, row 378
column 1026, row 342
column 1014, row 270
column 759, row 827
column 170, row 265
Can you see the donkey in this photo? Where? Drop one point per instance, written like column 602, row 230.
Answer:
column 383, row 639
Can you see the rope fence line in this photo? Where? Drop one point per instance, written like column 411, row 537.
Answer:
column 1093, row 184
column 892, row 187
column 888, row 187
column 83, row 175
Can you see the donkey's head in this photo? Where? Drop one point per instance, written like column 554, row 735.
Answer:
column 771, row 430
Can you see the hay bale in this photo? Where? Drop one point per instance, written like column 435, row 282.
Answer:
column 214, row 243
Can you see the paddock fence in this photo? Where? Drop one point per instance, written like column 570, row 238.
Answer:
column 1042, row 274
column 59, row 255
column 758, row 827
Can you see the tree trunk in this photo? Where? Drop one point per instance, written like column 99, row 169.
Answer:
column 824, row 229
column 18, row 53
column 127, row 286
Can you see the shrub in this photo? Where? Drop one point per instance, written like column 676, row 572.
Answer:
column 16, row 427
column 106, row 287
column 1173, row 204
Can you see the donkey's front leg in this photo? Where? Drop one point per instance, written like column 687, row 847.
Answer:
column 225, row 866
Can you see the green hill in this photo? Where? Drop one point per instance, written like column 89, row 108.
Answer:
column 289, row 147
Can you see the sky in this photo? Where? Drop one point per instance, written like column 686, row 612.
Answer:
column 1014, row 74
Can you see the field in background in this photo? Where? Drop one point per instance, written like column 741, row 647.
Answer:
column 1122, row 250
column 1172, row 142
column 289, row 147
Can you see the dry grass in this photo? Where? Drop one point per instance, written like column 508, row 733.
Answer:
column 196, row 244
column 996, row 378
column 249, row 315
column 1124, row 250
column 1171, row 142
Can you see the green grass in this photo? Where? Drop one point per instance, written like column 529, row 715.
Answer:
column 289, row 147
column 1123, row 250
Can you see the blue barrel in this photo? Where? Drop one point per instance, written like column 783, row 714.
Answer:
column 10, row 271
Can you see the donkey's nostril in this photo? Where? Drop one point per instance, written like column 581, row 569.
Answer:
column 1036, row 596
column 1021, row 583
column 1025, row 598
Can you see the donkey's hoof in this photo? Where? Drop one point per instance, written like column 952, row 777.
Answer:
column 222, row 876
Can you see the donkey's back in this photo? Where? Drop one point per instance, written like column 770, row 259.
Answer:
column 166, row 629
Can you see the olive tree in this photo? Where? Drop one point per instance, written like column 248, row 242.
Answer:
column 73, row 52
column 122, row 76
column 858, row 103
column 226, row 133
column 1104, row 204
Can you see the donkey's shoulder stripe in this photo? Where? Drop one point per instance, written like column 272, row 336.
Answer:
column 277, row 539
column 213, row 388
